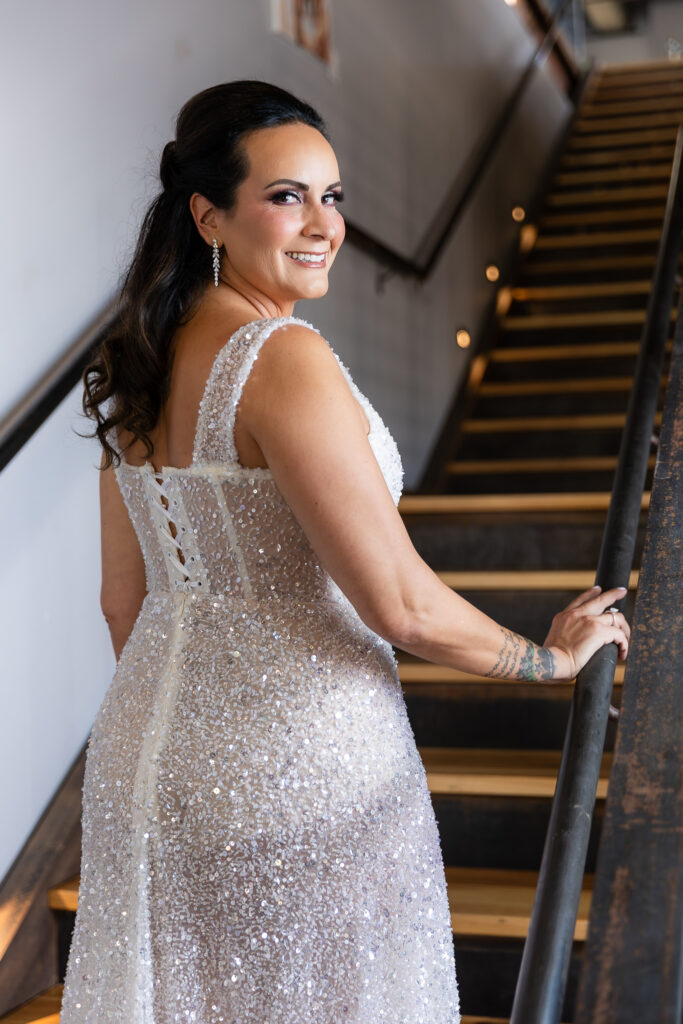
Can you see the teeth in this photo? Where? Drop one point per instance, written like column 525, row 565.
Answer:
column 308, row 257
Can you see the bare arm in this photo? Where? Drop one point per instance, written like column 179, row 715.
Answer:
column 123, row 568
column 299, row 409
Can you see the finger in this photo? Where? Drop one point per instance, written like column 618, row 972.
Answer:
column 613, row 617
column 602, row 601
column 619, row 638
column 583, row 597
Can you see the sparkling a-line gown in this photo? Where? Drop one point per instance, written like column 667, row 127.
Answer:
column 259, row 844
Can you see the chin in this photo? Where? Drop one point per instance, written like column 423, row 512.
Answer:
column 316, row 290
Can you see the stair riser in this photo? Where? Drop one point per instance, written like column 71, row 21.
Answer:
column 500, row 832
column 587, row 303
column 538, row 443
column 527, row 612
column 492, row 406
column 523, row 542
column 524, row 335
column 539, row 272
column 487, row 977
column 472, row 717
column 527, row 483
column 560, row 369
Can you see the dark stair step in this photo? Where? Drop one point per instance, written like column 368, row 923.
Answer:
column 519, row 441
column 635, row 156
column 495, row 715
column 556, row 361
column 487, row 977
column 587, row 270
column 513, row 541
column 530, row 612
column 551, row 401
column 503, row 833
column 557, row 222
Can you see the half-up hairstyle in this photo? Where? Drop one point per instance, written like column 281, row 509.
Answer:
column 171, row 266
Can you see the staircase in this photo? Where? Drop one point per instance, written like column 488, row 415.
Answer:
column 516, row 524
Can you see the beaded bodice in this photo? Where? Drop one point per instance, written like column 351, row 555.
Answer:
column 234, row 533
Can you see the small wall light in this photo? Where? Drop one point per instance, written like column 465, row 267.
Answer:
column 492, row 272
column 527, row 237
column 518, row 213
column 503, row 300
column 463, row 338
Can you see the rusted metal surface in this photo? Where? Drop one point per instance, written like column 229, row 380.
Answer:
column 633, row 959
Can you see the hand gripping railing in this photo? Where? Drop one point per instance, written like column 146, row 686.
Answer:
column 547, row 951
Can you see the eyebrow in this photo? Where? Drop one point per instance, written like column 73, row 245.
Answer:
column 299, row 184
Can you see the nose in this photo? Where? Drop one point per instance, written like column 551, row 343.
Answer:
column 320, row 223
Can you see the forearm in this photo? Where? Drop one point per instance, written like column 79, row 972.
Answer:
column 442, row 627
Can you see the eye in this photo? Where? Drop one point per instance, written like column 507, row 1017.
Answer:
column 280, row 197
column 337, row 197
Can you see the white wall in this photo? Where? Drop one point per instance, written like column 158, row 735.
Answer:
column 88, row 96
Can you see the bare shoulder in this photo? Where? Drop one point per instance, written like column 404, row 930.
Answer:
column 293, row 357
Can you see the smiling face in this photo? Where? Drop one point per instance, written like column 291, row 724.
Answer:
column 284, row 230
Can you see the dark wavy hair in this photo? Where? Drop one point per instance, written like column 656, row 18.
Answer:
column 130, row 369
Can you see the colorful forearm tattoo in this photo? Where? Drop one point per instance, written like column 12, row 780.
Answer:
column 520, row 658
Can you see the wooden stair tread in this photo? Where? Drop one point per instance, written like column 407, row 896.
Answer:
column 483, row 901
column 528, row 579
column 547, row 293
column 604, row 195
column 42, row 1009
column 579, row 421
column 440, row 504
column 580, row 350
column 591, row 318
column 609, row 123
column 586, row 240
column 618, row 138
column 615, row 214
column 493, row 772
column 566, row 386
column 65, row 895
column 616, row 108
column 559, row 464
column 418, row 672
column 577, row 264
column 498, row 903
column 617, row 157
column 618, row 172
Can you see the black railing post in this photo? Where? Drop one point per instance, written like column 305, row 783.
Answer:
column 545, row 962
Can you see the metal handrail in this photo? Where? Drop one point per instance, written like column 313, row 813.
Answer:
column 41, row 400
column 545, row 962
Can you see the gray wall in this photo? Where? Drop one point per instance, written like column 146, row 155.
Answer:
column 89, row 93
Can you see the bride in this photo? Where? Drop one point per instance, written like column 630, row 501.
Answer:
column 259, row 843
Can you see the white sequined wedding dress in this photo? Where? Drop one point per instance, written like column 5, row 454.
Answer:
column 259, row 844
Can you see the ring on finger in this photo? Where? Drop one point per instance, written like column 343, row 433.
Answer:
column 614, row 612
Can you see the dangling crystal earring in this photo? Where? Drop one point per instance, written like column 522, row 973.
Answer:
column 216, row 263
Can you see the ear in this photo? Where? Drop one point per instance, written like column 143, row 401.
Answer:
column 204, row 215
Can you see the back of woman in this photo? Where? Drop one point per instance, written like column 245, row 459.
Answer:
column 259, row 843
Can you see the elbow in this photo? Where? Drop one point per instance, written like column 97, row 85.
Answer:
column 118, row 614
column 397, row 625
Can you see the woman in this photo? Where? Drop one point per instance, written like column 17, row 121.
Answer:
column 259, row 843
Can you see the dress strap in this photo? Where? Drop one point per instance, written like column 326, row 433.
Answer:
column 216, row 428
